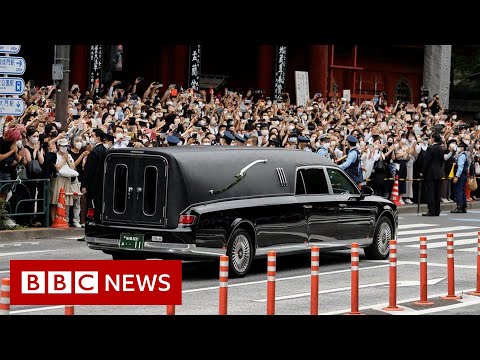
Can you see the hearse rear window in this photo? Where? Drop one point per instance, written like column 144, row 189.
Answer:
column 150, row 189
column 314, row 182
column 120, row 188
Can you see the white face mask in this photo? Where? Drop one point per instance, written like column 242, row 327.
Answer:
column 213, row 123
column 119, row 136
column 222, row 132
column 416, row 117
column 264, row 132
column 453, row 146
column 154, row 117
column 467, row 142
column 411, row 139
column 454, row 117
column 111, row 112
column 304, row 117
column 93, row 141
column 201, row 123
column 292, row 139
column 368, row 112
column 63, row 149
column 19, row 144
column 107, row 146
column 78, row 145
column 89, row 106
column 84, row 143
column 327, row 145
column 317, row 144
column 324, row 115
column 436, row 117
column 33, row 140
column 364, row 116
column 424, row 146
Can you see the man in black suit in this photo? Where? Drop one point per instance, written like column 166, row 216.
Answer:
column 432, row 172
column 93, row 172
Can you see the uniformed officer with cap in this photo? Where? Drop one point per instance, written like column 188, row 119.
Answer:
column 352, row 164
column 460, row 179
column 172, row 140
column 324, row 146
column 303, row 143
column 229, row 137
column 240, row 141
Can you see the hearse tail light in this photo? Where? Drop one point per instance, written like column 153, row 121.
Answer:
column 90, row 213
column 187, row 219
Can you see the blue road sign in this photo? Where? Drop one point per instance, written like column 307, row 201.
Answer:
column 9, row 49
column 12, row 86
column 12, row 106
column 12, row 65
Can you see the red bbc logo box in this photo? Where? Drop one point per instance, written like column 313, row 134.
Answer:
column 95, row 282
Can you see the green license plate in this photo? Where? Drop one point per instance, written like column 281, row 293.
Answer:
column 131, row 241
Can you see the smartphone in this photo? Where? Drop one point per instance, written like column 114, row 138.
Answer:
column 75, row 117
column 173, row 92
column 375, row 99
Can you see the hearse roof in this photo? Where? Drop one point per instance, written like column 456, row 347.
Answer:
column 206, row 168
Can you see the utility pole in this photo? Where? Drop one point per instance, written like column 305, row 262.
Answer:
column 61, row 75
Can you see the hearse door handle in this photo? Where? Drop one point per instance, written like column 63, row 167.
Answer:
column 129, row 192
column 139, row 190
column 342, row 206
column 307, row 206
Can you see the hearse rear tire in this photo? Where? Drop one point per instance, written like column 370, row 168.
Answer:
column 380, row 248
column 240, row 253
column 126, row 256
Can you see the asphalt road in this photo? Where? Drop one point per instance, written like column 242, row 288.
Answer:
column 247, row 296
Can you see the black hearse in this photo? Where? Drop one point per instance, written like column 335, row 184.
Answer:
column 194, row 202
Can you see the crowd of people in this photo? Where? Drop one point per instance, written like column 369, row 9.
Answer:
column 388, row 139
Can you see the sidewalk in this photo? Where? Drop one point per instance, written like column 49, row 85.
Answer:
column 42, row 233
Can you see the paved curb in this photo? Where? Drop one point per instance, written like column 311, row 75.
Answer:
column 43, row 233
column 38, row 233
column 412, row 209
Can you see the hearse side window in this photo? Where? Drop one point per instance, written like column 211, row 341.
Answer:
column 150, row 190
column 120, row 188
column 299, row 186
column 315, row 181
column 340, row 183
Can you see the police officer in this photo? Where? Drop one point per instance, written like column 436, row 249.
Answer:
column 460, row 170
column 172, row 140
column 323, row 149
column 352, row 164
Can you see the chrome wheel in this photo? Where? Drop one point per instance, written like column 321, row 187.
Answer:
column 384, row 236
column 241, row 253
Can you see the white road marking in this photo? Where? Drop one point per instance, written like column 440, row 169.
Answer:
column 460, row 219
column 381, row 305
column 45, row 308
column 473, row 249
column 436, row 264
column 27, row 252
column 18, row 244
column 436, row 237
column 411, row 226
column 437, row 245
column 437, row 230
column 328, row 291
column 4, row 271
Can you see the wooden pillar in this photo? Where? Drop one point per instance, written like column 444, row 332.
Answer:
column 181, row 65
column 79, row 57
column 318, row 69
column 265, row 68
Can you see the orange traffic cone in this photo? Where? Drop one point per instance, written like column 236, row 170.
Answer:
column 395, row 196
column 60, row 215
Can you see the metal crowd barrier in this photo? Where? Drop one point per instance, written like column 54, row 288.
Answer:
column 24, row 196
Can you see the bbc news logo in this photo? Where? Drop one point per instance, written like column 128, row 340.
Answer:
column 95, row 282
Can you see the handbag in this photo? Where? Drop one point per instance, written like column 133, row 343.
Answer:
column 34, row 167
column 452, row 175
column 21, row 172
column 67, row 171
column 472, row 183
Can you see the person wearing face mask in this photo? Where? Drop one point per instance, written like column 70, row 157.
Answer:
column 93, row 171
column 121, row 140
column 34, row 152
column 323, row 145
column 352, row 164
column 78, row 155
column 401, row 155
column 460, row 179
column 449, row 158
column 63, row 158
column 432, row 173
